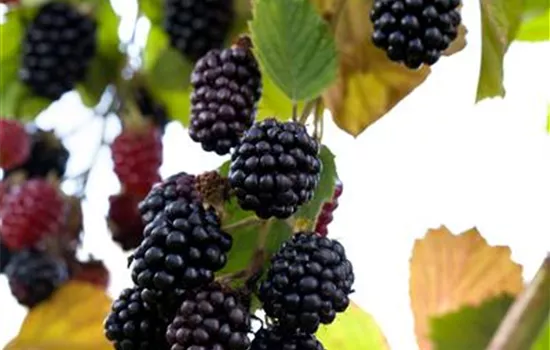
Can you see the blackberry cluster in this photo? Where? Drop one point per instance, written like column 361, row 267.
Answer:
column 211, row 318
column 415, row 31
column 227, row 87
column 151, row 110
column 33, row 276
column 273, row 338
column 132, row 324
column 308, row 283
column 47, row 156
column 181, row 250
column 58, row 47
column 178, row 186
column 275, row 169
column 197, row 26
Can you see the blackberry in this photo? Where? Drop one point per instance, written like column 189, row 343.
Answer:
column 415, row 31
column 197, row 26
column 308, row 282
column 124, row 221
column 132, row 323
column 325, row 217
column 181, row 185
column 57, row 50
column 5, row 256
column 137, row 157
column 182, row 249
column 275, row 169
column 33, row 276
column 274, row 338
column 150, row 109
column 48, row 155
column 211, row 318
column 15, row 143
column 227, row 87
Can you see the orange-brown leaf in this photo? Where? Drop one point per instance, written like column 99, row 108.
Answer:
column 450, row 271
column 71, row 320
column 369, row 85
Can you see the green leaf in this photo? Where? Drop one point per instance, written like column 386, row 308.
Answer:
column 536, row 28
column 295, row 46
column 306, row 217
column 107, row 32
column 31, row 106
column 10, row 95
column 11, row 33
column 274, row 102
column 247, row 237
column 353, row 330
column 548, row 120
column 176, row 102
column 170, row 71
column 100, row 73
column 500, row 22
column 544, row 338
column 534, row 8
column 470, row 327
column 9, row 68
column 157, row 42
column 153, row 9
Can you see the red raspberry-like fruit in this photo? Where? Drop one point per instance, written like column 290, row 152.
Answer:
column 326, row 215
column 15, row 144
column 31, row 212
column 137, row 155
column 125, row 221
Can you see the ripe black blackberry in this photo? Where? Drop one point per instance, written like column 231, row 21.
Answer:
column 415, row 31
column 58, row 47
column 274, row 338
column 178, row 186
column 275, row 169
column 227, row 87
column 133, row 324
column 33, row 276
column 182, row 249
column 308, row 282
column 48, row 155
column 210, row 318
column 197, row 26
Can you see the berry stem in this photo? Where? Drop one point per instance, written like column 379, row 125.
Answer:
column 294, row 111
column 318, row 121
column 246, row 222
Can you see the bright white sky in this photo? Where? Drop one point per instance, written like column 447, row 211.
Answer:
column 435, row 159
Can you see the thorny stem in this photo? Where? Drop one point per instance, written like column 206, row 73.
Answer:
column 526, row 317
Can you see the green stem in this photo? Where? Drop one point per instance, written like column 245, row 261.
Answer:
column 318, row 121
column 526, row 317
column 294, row 111
column 246, row 222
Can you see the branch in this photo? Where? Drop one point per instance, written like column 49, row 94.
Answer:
column 526, row 317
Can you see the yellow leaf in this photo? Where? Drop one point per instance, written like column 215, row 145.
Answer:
column 71, row 320
column 353, row 330
column 451, row 271
column 369, row 84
